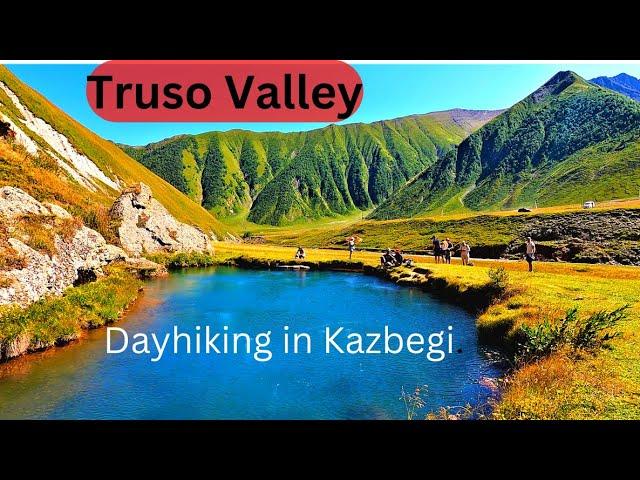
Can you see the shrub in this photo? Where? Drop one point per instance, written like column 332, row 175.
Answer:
column 143, row 218
column 36, row 234
column 5, row 282
column 98, row 219
column 5, row 130
column 46, row 162
column 413, row 401
column 67, row 227
column 499, row 281
column 10, row 260
column 183, row 259
column 592, row 333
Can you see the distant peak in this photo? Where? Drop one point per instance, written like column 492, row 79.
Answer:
column 555, row 85
column 625, row 76
column 622, row 83
column 563, row 76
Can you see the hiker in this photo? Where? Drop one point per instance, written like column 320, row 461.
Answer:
column 465, row 251
column 437, row 249
column 352, row 246
column 300, row 254
column 407, row 262
column 397, row 257
column 387, row 260
column 530, row 254
column 447, row 246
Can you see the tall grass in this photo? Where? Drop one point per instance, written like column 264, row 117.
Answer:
column 54, row 320
column 573, row 332
column 183, row 259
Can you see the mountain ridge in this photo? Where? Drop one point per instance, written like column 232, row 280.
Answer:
column 278, row 177
column 622, row 83
column 567, row 140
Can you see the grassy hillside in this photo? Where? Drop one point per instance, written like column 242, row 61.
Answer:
column 277, row 178
column 569, row 141
column 107, row 156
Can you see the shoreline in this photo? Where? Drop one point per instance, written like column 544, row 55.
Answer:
column 80, row 309
column 498, row 317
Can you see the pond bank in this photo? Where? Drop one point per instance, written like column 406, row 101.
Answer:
column 57, row 320
column 310, row 381
column 475, row 298
column 576, row 384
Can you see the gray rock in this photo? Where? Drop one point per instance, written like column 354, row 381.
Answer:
column 86, row 251
column 145, row 226
column 15, row 203
column 57, row 211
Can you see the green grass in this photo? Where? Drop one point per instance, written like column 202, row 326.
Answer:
column 53, row 320
column 408, row 234
column 279, row 178
column 570, row 141
column 192, row 176
column 183, row 259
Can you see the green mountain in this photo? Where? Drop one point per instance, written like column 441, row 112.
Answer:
column 567, row 142
column 277, row 178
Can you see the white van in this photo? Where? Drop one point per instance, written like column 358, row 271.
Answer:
column 589, row 204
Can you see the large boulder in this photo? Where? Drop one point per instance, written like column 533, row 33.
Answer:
column 145, row 226
column 31, row 274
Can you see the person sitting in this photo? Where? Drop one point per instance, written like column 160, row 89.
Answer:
column 300, row 254
column 387, row 260
column 405, row 262
column 398, row 259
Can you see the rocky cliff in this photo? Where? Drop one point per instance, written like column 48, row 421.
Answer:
column 145, row 226
column 44, row 250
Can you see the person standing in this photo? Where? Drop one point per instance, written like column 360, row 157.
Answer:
column 447, row 248
column 352, row 246
column 465, row 251
column 530, row 254
column 437, row 249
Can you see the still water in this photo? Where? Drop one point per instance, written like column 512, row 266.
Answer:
column 82, row 381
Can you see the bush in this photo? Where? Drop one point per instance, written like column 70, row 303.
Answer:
column 5, row 130
column 183, row 259
column 592, row 333
column 499, row 280
column 97, row 218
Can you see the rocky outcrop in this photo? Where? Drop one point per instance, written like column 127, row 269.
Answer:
column 145, row 226
column 78, row 256
column 611, row 236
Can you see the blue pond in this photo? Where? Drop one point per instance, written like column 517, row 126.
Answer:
column 82, row 381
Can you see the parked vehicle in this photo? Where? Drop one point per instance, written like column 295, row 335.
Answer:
column 589, row 204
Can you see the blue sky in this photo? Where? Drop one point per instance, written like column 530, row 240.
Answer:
column 390, row 90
